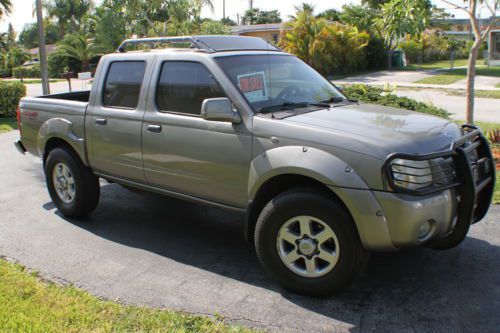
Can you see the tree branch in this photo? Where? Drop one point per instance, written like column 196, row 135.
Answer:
column 457, row 6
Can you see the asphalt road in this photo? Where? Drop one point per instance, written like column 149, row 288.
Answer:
column 162, row 252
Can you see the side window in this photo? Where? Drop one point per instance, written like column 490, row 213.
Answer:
column 183, row 86
column 123, row 84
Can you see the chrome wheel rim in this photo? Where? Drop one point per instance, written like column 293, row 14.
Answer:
column 64, row 183
column 308, row 246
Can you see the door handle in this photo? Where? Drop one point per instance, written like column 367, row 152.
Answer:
column 154, row 128
column 101, row 121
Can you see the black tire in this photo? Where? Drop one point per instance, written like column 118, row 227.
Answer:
column 86, row 184
column 352, row 257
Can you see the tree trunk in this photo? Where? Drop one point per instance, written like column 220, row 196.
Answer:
column 85, row 66
column 471, row 70
column 471, row 73
column 389, row 58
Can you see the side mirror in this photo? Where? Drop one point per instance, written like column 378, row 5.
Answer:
column 220, row 109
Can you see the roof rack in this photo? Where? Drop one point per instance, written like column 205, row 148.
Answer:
column 209, row 44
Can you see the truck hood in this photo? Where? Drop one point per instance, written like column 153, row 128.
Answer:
column 390, row 129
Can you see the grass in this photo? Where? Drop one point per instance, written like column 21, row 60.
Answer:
column 455, row 75
column 8, row 124
column 34, row 81
column 497, row 85
column 28, row 304
column 442, row 79
column 486, row 127
column 496, row 196
column 477, row 93
column 442, row 64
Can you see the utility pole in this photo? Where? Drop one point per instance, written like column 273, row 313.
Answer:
column 41, row 46
column 250, row 3
column 224, row 9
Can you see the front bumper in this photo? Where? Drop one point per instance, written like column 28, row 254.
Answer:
column 392, row 219
column 407, row 215
column 447, row 208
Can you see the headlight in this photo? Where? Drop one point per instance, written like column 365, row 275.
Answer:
column 412, row 175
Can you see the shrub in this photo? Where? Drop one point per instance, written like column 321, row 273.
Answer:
column 5, row 72
column 374, row 95
column 10, row 94
column 330, row 48
column 26, row 72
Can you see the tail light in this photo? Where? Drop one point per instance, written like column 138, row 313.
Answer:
column 18, row 115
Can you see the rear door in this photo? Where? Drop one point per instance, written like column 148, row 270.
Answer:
column 116, row 117
column 183, row 152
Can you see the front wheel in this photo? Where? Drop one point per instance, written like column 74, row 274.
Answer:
column 308, row 242
column 72, row 186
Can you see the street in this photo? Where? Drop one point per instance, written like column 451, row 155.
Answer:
column 155, row 251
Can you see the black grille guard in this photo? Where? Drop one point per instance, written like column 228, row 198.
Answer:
column 474, row 180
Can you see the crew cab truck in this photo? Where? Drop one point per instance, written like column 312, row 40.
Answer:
column 236, row 123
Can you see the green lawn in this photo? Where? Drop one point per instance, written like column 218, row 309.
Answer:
column 477, row 93
column 7, row 124
column 486, row 127
column 448, row 78
column 496, row 196
column 497, row 85
column 28, row 304
column 33, row 81
column 443, row 64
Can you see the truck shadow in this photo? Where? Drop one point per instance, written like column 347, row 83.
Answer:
column 419, row 289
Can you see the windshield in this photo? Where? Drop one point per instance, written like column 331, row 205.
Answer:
column 269, row 81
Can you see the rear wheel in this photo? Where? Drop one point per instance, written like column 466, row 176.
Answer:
column 72, row 186
column 308, row 242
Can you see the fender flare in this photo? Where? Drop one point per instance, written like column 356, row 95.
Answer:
column 61, row 129
column 305, row 161
column 336, row 175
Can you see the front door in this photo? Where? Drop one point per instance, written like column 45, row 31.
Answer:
column 116, row 121
column 186, row 154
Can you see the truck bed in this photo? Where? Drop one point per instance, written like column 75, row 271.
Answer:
column 79, row 96
column 65, row 111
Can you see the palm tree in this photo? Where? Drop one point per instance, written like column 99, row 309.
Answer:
column 67, row 11
column 77, row 46
column 5, row 7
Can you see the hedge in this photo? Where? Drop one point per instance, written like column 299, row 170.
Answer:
column 10, row 94
column 27, row 72
column 374, row 95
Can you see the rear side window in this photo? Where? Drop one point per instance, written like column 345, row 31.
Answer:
column 123, row 84
column 183, row 86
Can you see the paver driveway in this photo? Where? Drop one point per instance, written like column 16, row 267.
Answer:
column 166, row 253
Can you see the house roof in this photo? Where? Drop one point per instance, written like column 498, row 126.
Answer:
column 257, row 28
column 49, row 48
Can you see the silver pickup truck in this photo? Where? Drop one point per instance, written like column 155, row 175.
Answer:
column 236, row 123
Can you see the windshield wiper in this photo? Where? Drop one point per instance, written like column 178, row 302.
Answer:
column 337, row 99
column 284, row 106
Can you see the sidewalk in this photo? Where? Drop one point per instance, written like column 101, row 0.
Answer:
column 407, row 79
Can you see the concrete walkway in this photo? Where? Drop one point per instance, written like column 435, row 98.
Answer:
column 408, row 79
column 485, row 109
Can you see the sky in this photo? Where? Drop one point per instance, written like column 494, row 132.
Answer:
column 23, row 9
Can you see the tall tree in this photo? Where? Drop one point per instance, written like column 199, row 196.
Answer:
column 479, row 37
column 28, row 37
column 68, row 13
column 5, row 7
column 11, row 34
column 258, row 16
column 400, row 18
column 330, row 15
